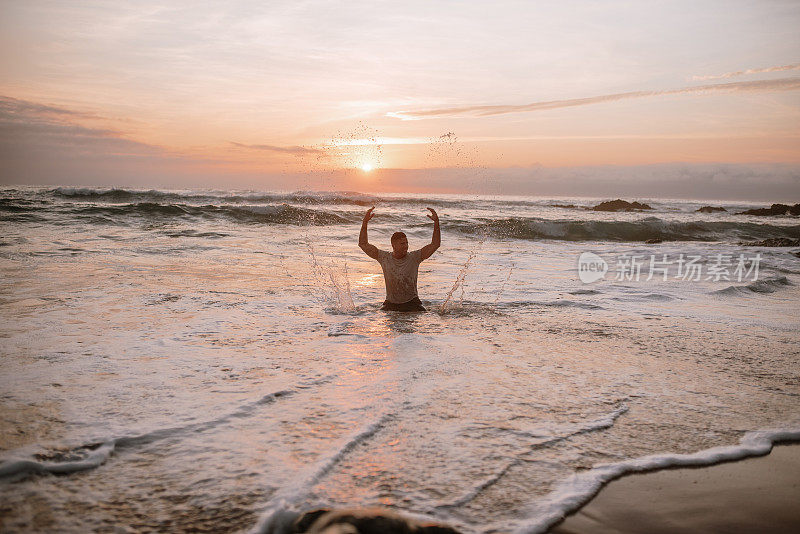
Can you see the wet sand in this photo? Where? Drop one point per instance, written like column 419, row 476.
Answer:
column 755, row 495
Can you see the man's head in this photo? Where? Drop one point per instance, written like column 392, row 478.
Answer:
column 399, row 245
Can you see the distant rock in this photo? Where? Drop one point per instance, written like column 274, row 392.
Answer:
column 621, row 205
column 710, row 209
column 654, row 241
column 774, row 242
column 775, row 209
column 563, row 206
column 366, row 521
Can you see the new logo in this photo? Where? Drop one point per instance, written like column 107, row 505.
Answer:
column 591, row 267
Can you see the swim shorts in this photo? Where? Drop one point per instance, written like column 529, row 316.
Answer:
column 412, row 305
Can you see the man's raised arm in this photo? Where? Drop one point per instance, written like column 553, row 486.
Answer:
column 363, row 242
column 436, row 240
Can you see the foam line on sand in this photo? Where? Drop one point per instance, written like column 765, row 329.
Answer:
column 577, row 490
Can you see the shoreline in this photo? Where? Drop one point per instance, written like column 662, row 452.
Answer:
column 753, row 494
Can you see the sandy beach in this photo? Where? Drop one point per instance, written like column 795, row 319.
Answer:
column 753, row 495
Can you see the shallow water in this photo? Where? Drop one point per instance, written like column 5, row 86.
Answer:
column 203, row 360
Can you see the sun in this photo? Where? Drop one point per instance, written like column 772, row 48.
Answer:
column 366, row 167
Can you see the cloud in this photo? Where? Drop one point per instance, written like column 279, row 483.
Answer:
column 13, row 107
column 746, row 72
column 44, row 144
column 32, row 130
column 295, row 150
column 781, row 84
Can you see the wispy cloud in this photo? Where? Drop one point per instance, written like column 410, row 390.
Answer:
column 746, row 72
column 49, row 131
column 14, row 107
column 45, row 144
column 294, row 150
column 781, row 84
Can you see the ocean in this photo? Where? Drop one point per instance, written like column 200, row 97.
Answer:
column 204, row 360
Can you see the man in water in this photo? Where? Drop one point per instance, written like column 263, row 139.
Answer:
column 400, row 267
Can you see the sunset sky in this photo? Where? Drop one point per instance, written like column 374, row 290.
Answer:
column 300, row 94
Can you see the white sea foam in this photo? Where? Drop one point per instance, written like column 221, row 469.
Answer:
column 578, row 489
column 90, row 456
column 564, row 433
column 281, row 510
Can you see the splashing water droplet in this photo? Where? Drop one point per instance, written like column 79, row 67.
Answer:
column 459, row 282
column 333, row 283
column 359, row 148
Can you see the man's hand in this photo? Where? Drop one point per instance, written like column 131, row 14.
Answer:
column 436, row 240
column 363, row 242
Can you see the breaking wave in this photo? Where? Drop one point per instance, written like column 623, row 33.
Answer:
column 123, row 206
column 212, row 197
column 125, row 213
column 280, row 214
column 650, row 228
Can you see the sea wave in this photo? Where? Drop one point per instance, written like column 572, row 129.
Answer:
column 763, row 286
column 112, row 213
column 650, row 228
column 84, row 194
column 269, row 214
column 213, row 197
column 118, row 206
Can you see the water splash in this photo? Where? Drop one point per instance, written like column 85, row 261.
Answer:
column 460, row 280
column 334, row 284
column 447, row 151
column 359, row 148
column 503, row 285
